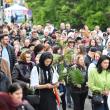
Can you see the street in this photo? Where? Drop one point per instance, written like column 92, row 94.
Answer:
column 87, row 106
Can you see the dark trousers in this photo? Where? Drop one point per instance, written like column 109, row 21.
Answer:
column 68, row 93
column 103, row 106
column 79, row 99
column 63, row 102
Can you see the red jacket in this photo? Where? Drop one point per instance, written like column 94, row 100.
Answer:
column 6, row 103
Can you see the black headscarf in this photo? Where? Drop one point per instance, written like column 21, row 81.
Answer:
column 43, row 57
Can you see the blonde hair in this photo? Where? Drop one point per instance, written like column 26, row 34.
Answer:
column 23, row 55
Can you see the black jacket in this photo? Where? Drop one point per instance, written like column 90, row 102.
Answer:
column 4, row 82
column 21, row 72
column 88, row 60
column 12, row 56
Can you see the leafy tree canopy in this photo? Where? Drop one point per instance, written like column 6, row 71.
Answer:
column 77, row 12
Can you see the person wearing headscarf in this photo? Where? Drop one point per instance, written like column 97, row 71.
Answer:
column 44, row 77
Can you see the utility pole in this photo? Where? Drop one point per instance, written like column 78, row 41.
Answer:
column 1, row 12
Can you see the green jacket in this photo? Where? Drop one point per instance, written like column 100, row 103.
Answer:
column 99, row 81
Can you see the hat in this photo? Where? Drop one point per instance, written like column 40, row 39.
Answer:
column 93, row 49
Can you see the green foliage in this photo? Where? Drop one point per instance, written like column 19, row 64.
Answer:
column 77, row 12
column 57, row 58
column 62, row 72
column 61, row 44
column 68, row 56
column 72, row 76
column 75, row 77
column 95, row 19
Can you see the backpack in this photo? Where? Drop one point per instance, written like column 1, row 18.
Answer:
column 4, row 80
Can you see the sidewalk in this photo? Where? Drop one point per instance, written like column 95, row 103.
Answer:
column 87, row 106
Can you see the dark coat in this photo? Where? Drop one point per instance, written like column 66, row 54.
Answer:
column 4, row 81
column 21, row 72
column 12, row 56
column 83, row 87
column 88, row 60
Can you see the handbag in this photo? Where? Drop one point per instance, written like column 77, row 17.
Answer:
column 97, row 98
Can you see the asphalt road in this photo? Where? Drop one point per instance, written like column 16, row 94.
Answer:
column 87, row 106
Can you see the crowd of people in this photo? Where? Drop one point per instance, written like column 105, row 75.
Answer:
column 28, row 66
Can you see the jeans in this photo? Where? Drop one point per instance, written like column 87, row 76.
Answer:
column 68, row 93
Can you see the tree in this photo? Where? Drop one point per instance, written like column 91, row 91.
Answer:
column 77, row 12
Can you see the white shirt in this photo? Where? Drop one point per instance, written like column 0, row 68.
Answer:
column 34, row 78
column 5, row 55
column 91, row 66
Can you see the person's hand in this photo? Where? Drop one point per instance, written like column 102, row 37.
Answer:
column 106, row 92
column 56, row 84
column 86, row 84
column 78, row 85
column 49, row 86
column 62, row 82
column 28, row 85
